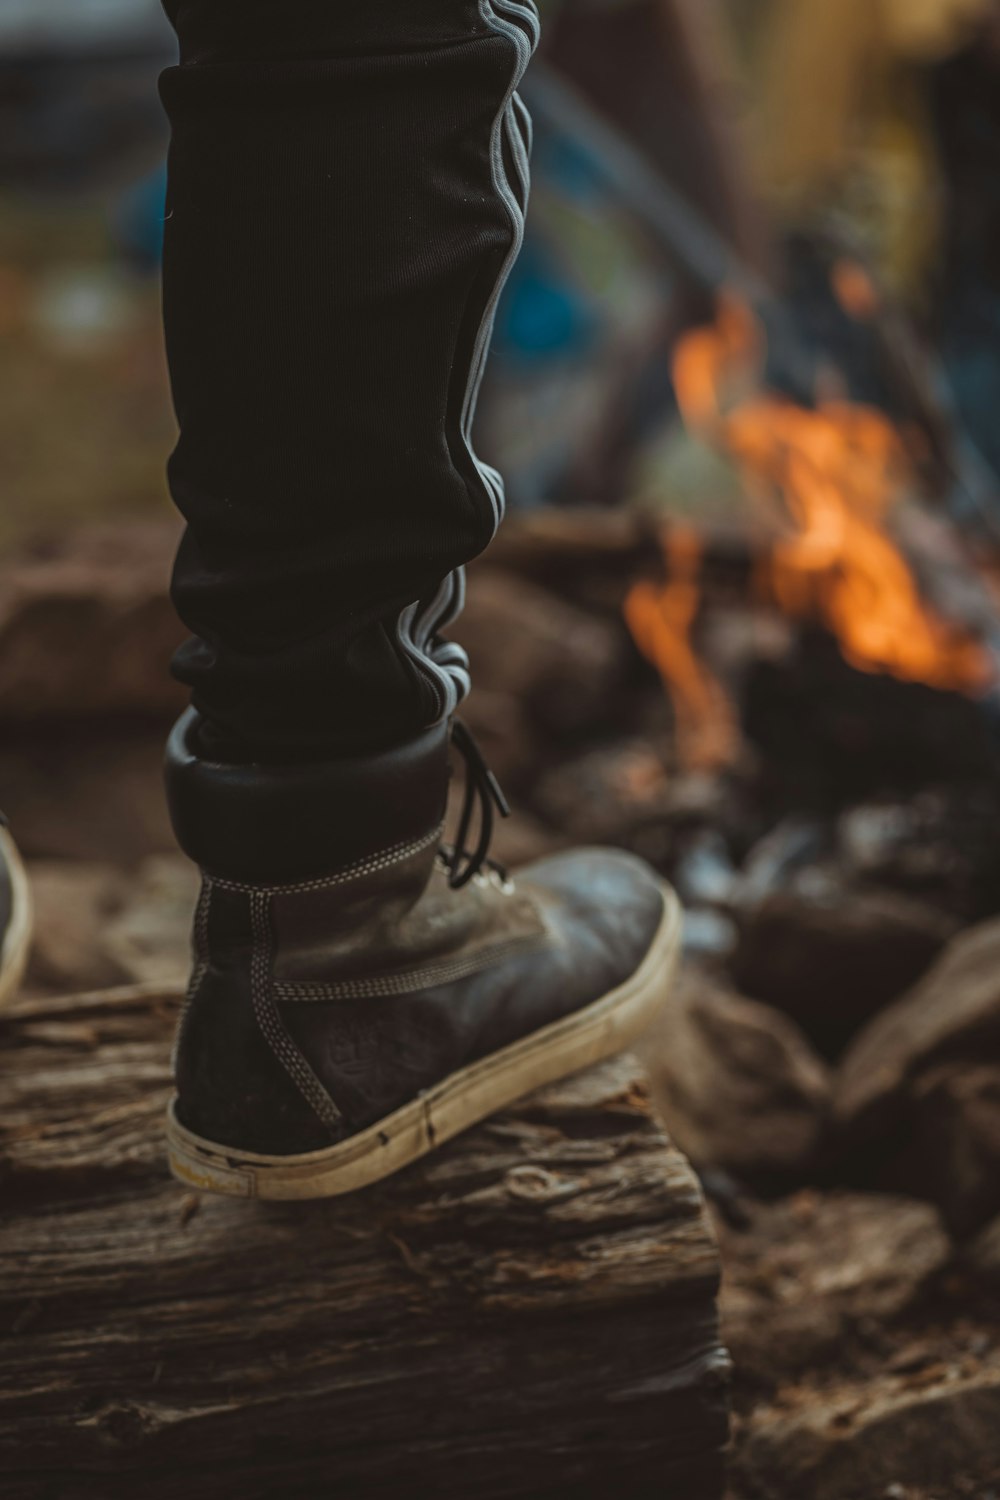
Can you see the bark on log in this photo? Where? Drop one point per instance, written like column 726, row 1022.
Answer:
column 529, row 1312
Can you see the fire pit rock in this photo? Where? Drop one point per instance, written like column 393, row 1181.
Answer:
column 832, row 958
column 955, row 1143
column 73, row 903
column 982, row 1256
column 97, row 593
column 610, row 794
column 563, row 664
column 954, row 1010
column 920, row 1087
column 736, row 1082
column 936, row 1426
column 809, row 1270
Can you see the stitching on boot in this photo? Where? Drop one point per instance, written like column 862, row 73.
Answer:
column 269, row 1020
column 411, row 982
column 368, row 866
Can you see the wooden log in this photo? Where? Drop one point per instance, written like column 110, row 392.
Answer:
column 528, row 1312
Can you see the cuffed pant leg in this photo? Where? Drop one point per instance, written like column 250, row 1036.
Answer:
column 347, row 184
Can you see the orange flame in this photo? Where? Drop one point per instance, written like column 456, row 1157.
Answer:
column 660, row 617
column 839, row 470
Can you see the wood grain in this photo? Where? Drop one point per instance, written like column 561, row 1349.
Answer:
column 529, row 1312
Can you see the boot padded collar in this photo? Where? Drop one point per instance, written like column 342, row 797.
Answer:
column 273, row 825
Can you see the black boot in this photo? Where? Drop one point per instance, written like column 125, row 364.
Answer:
column 360, row 992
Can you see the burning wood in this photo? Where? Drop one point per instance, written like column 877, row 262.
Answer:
column 839, row 471
column 827, row 481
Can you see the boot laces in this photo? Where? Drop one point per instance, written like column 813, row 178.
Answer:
column 482, row 791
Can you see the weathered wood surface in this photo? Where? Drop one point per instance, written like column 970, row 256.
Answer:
column 529, row 1312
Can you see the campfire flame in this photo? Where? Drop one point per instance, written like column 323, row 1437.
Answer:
column 836, row 471
column 660, row 617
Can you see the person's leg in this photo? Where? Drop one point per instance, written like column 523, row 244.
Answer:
column 347, row 185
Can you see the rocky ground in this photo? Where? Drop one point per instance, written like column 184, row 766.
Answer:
column 830, row 1061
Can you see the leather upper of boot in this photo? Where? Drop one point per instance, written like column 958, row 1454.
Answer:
column 318, row 1005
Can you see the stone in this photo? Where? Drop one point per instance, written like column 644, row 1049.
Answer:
column 565, row 664
column 954, row 1146
column 92, row 794
column 808, row 1270
column 953, row 1012
column 917, row 1097
column 150, row 937
column 618, row 793
column 938, row 844
column 73, row 905
column 833, row 958
column 736, row 1082
column 86, row 625
column 982, row 1256
column 936, row 1427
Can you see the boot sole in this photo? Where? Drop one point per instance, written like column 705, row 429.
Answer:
column 566, row 1046
column 17, row 939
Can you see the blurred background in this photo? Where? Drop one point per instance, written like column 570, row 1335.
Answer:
column 744, row 618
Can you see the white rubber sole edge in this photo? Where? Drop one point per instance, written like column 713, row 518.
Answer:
column 566, row 1046
column 17, row 939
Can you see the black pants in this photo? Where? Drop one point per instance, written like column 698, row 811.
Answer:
column 347, row 184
